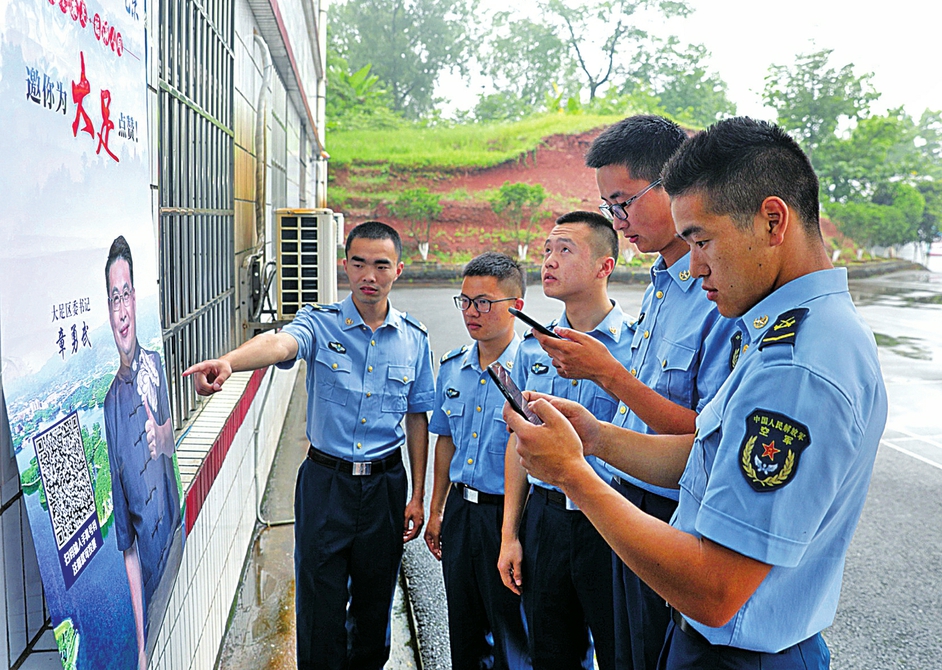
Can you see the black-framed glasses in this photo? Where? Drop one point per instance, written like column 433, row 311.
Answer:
column 482, row 305
column 620, row 209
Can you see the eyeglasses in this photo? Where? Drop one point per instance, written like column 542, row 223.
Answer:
column 120, row 298
column 620, row 210
column 482, row 305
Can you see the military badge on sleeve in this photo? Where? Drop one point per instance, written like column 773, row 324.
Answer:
column 771, row 449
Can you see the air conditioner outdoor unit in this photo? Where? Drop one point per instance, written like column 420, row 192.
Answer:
column 306, row 249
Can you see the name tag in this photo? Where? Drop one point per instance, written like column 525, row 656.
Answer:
column 469, row 494
column 362, row 468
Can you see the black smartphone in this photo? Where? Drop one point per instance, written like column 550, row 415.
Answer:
column 506, row 385
column 533, row 323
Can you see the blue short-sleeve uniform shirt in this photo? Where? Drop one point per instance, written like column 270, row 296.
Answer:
column 783, row 456
column 534, row 371
column 682, row 348
column 361, row 383
column 469, row 408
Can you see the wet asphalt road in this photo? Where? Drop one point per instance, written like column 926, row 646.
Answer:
column 890, row 614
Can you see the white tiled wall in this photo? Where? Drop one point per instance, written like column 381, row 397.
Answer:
column 216, row 549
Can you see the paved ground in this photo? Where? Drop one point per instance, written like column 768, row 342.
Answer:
column 890, row 614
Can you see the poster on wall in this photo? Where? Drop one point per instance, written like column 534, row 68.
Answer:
column 83, row 369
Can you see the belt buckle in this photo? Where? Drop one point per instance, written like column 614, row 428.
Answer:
column 570, row 505
column 362, row 468
column 469, row 494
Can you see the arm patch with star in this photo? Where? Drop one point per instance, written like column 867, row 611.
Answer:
column 771, row 449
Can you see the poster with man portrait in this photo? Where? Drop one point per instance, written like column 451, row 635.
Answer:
column 83, row 370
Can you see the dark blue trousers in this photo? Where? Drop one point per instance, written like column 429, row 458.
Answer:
column 687, row 652
column 567, row 588
column 478, row 602
column 348, row 547
column 641, row 615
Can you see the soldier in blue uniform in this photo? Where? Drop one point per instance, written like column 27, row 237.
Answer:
column 368, row 366
column 680, row 355
column 485, row 621
column 551, row 554
column 773, row 482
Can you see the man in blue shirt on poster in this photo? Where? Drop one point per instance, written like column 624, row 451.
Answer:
column 773, row 481
column 368, row 367
column 485, row 620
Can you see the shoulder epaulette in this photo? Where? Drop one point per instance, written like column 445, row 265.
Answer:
column 785, row 329
column 317, row 307
column 415, row 322
column 552, row 324
column 454, row 353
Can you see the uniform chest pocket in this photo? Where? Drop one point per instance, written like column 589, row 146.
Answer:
column 399, row 379
column 332, row 375
column 676, row 380
column 454, row 410
column 696, row 474
column 499, row 444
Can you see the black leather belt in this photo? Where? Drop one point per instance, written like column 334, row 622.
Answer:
column 685, row 626
column 556, row 498
column 475, row 496
column 357, row 468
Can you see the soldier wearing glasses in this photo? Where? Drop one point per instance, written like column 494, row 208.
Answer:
column 682, row 350
column 368, row 367
column 485, row 620
column 550, row 553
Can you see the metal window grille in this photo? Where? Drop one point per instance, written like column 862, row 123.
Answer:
column 197, row 272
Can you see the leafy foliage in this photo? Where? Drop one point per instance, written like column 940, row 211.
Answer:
column 409, row 43
column 357, row 100
column 519, row 206
column 418, row 208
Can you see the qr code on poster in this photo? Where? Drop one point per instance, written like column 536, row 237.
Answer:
column 65, row 476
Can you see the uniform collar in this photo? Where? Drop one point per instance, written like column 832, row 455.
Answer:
column 679, row 271
column 350, row 316
column 506, row 358
column 613, row 325
column 794, row 293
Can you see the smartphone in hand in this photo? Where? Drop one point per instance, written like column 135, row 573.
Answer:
column 533, row 323
column 506, row 385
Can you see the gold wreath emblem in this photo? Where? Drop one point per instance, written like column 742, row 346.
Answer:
column 773, row 480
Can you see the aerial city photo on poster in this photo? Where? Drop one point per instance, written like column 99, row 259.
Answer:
column 81, row 344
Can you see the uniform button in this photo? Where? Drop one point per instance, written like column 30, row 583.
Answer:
column 479, row 408
column 372, row 343
column 474, row 434
column 634, row 372
column 448, row 412
column 405, row 379
column 368, row 394
column 664, row 364
column 369, row 369
column 483, row 381
column 745, row 348
column 334, row 366
column 363, row 420
column 575, row 382
column 470, row 461
column 622, row 409
column 659, row 295
column 647, row 334
column 359, row 445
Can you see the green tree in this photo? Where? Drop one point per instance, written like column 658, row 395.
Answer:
column 519, row 206
column 930, row 227
column 811, row 98
column 677, row 76
column 523, row 60
column 609, row 23
column 419, row 209
column 891, row 218
column 356, row 100
column 409, row 43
